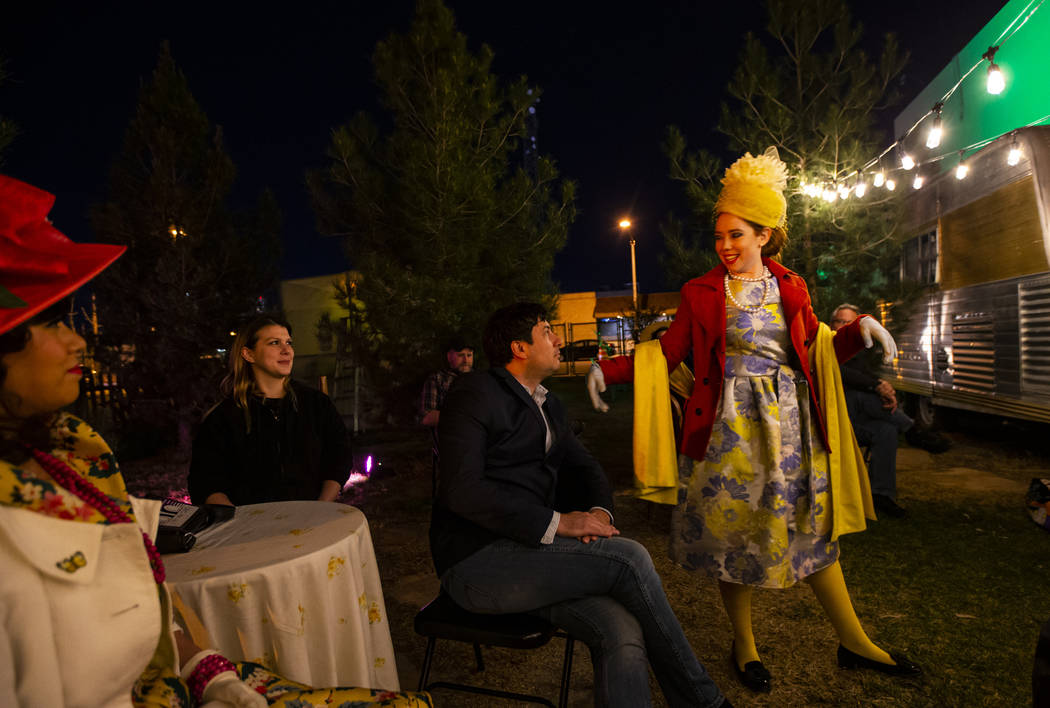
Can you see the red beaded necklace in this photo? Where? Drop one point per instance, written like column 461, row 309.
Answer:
column 81, row 487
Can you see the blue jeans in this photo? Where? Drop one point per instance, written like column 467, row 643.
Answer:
column 878, row 428
column 605, row 593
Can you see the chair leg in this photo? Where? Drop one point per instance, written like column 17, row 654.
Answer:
column 428, row 657
column 477, row 658
column 566, row 673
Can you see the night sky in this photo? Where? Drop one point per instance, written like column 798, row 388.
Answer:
column 278, row 79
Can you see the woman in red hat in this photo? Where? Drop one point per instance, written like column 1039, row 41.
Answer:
column 87, row 620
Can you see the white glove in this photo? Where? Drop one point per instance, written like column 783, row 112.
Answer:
column 227, row 689
column 224, row 690
column 595, row 386
column 870, row 328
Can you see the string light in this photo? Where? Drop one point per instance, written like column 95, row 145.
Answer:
column 843, row 191
column 996, row 82
column 917, row 182
column 861, row 187
column 906, row 160
column 934, row 138
column 1014, row 156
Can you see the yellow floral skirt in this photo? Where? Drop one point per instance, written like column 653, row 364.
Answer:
column 757, row 509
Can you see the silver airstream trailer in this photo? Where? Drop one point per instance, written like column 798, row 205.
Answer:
column 980, row 339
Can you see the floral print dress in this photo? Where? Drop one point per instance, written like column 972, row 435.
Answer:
column 757, row 509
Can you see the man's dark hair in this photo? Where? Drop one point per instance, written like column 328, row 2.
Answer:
column 510, row 324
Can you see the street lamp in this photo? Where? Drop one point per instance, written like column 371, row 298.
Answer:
column 625, row 226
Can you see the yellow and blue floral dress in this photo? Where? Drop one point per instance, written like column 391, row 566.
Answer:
column 757, row 509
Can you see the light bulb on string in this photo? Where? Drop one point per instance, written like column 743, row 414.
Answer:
column 879, row 179
column 843, row 191
column 933, row 139
column 917, row 182
column 891, row 184
column 1014, row 156
column 996, row 82
column 906, row 160
column 861, row 187
column 962, row 169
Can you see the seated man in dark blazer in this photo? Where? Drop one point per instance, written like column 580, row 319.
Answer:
column 506, row 536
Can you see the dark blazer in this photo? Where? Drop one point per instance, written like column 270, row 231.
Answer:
column 496, row 480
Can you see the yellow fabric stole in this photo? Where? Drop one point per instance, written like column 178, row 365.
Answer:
column 655, row 457
column 850, row 488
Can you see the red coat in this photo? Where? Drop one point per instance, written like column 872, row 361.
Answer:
column 700, row 327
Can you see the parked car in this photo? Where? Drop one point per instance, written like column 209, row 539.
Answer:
column 580, row 350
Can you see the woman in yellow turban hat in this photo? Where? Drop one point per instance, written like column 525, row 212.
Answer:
column 760, row 501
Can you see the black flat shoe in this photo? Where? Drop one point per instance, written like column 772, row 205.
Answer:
column 902, row 669
column 754, row 676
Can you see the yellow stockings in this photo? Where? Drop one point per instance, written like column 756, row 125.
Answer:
column 830, row 588
column 737, row 601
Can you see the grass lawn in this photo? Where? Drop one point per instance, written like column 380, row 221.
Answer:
column 960, row 585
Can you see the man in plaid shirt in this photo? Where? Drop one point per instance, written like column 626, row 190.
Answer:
column 460, row 357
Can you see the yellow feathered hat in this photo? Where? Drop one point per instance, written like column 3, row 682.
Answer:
column 753, row 189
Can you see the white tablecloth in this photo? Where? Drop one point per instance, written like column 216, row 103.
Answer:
column 293, row 586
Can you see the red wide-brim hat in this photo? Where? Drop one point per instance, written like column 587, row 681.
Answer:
column 38, row 265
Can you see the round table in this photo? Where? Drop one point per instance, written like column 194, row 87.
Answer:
column 292, row 586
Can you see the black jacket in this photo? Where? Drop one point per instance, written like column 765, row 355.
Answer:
column 288, row 454
column 496, row 480
column 858, row 373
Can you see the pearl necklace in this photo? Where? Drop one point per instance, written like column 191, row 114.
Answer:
column 765, row 274
column 764, row 278
column 83, row 489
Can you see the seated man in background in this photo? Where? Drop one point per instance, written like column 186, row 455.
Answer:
column 460, row 357
column 878, row 420
column 505, row 538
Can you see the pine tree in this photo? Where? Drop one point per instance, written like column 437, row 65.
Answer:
column 192, row 267
column 449, row 214
column 814, row 94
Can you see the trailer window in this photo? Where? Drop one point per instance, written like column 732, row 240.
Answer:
column 919, row 259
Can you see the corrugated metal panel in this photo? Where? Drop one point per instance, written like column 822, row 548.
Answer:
column 973, row 349
column 1034, row 313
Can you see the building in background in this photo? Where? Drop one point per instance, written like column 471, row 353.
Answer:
column 306, row 303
